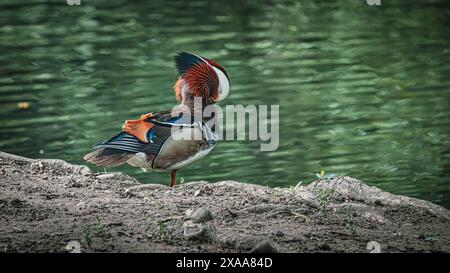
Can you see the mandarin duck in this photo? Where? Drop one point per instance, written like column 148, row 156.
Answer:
column 170, row 140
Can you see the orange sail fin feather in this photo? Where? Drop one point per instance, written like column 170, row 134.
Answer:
column 138, row 127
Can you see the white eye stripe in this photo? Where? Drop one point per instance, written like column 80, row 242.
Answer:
column 224, row 84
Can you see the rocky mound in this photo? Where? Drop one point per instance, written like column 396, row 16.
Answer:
column 54, row 206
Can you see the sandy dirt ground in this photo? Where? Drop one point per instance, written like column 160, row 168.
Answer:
column 53, row 206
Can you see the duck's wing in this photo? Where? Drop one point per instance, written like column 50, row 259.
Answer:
column 145, row 135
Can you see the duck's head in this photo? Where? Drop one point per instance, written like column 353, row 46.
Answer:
column 200, row 77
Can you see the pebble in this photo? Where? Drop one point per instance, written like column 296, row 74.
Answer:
column 201, row 215
column 106, row 176
column 199, row 231
column 265, row 247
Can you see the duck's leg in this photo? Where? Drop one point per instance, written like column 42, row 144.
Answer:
column 173, row 178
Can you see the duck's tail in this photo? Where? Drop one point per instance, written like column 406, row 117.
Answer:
column 108, row 157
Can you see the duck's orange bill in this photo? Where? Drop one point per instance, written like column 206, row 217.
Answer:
column 138, row 127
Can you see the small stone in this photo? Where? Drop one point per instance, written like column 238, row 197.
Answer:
column 201, row 215
column 265, row 247
column 199, row 231
column 73, row 247
column 232, row 213
column 197, row 193
column 188, row 213
column 106, row 176
column 426, row 238
column 324, row 247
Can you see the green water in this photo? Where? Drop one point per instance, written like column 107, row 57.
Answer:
column 363, row 90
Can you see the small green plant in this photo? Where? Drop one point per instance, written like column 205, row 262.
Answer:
column 294, row 189
column 97, row 229
column 163, row 233
column 325, row 197
column 87, row 235
column 100, row 228
column 320, row 174
column 349, row 221
column 162, row 230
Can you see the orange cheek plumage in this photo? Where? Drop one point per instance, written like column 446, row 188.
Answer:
column 178, row 87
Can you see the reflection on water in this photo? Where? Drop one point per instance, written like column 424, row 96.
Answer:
column 363, row 90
